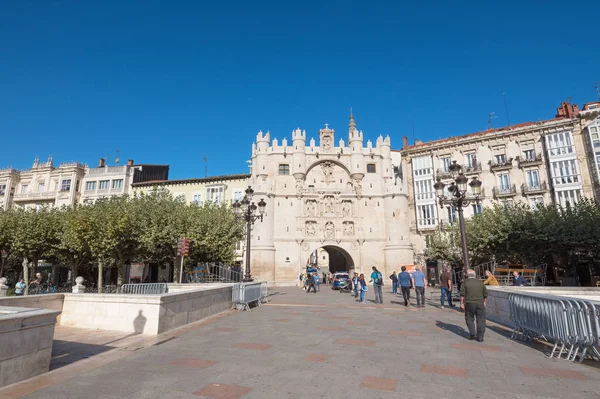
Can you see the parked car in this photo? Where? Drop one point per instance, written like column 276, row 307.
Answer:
column 337, row 279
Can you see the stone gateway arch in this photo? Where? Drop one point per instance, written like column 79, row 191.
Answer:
column 343, row 196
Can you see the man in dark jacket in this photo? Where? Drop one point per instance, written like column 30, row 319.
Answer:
column 518, row 280
column 473, row 297
column 311, row 283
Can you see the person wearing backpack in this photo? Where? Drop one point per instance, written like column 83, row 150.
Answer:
column 377, row 280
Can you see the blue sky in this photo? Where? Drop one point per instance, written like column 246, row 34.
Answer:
column 167, row 81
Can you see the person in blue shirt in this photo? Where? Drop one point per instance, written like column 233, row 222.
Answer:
column 377, row 279
column 404, row 280
column 419, row 283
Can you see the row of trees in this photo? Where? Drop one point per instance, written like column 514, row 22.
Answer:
column 519, row 234
column 115, row 231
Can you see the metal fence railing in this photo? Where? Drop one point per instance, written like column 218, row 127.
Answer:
column 573, row 325
column 246, row 294
column 144, row 289
column 214, row 273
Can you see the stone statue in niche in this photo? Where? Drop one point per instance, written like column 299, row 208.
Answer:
column 348, row 228
column 326, row 143
column 328, row 202
column 329, row 230
column 358, row 187
column 311, row 228
column 346, row 208
column 311, row 208
column 299, row 186
column 327, row 168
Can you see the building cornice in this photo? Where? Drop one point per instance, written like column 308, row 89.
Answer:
column 158, row 183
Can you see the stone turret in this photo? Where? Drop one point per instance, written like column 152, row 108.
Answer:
column 263, row 141
column 299, row 153
column 384, row 147
column 355, row 142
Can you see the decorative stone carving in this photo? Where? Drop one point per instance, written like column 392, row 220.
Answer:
column 328, row 203
column 78, row 288
column 3, row 286
column 311, row 228
column 346, row 208
column 358, row 188
column 311, row 208
column 327, row 168
column 348, row 228
column 299, row 186
column 329, row 230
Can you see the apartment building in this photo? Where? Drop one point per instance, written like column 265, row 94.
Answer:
column 105, row 180
column 534, row 162
column 592, row 142
column 216, row 189
column 41, row 185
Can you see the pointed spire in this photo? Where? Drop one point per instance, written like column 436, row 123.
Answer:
column 352, row 124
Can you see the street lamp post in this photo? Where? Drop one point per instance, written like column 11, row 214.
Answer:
column 458, row 199
column 246, row 210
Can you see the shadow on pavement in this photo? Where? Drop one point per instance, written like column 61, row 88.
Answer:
column 458, row 330
column 67, row 352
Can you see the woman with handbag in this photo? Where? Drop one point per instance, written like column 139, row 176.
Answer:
column 363, row 288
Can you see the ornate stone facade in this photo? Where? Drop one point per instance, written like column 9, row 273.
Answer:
column 344, row 198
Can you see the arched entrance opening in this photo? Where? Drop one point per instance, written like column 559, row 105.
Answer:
column 331, row 258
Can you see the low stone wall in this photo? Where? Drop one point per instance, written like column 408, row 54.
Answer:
column 497, row 309
column 175, row 287
column 25, row 342
column 144, row 314
column 46, row 301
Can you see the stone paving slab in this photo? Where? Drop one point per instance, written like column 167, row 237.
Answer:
column 365, row 351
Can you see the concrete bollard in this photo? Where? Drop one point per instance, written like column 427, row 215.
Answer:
column 3, row 287
column 78, row 288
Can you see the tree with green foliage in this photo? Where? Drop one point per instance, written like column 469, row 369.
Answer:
column 72, row 247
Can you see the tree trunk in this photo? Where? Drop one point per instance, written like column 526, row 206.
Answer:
column 34, row 266
column 73, row 273
column 26, row 275
column 53, row 277
column 100, row 275
column 120, row 273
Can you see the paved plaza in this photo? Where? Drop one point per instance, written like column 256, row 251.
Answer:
column 322, row 345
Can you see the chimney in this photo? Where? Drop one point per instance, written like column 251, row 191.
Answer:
column 130, row 162
column 404, row 142
column 566, row 110
column 101, row 164
column 575, row 110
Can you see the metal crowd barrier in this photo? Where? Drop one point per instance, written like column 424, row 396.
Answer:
column 144, row 289
column 245, row 294
column 571, row 324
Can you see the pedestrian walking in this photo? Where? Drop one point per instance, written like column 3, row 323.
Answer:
column 317, row 281
column 311, row 283
column 418, row 279
column 518, row 280
column 405, row 282
column 363, row 287
column 355, row 285
column 490, row 279
column 377, row 279
column 394, row 279
column 473, row 298
column 446, row 287
column 20, row 287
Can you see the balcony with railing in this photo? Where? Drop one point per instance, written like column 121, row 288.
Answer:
column 46, row 195
column 557, row 151
column 498, row 166
column 533, row 161
column 566, row 180
column 443, row 174
column 107, row 170
column 540, row 188
column 472, row 168
column 427, row 224
column 503, row 192
column 425, row 196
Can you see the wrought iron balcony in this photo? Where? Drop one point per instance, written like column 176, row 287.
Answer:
column 472, row 168
column 501, row 166
column 523, row 162
column 538, row 189
column 503, row 192
column 443, row 174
